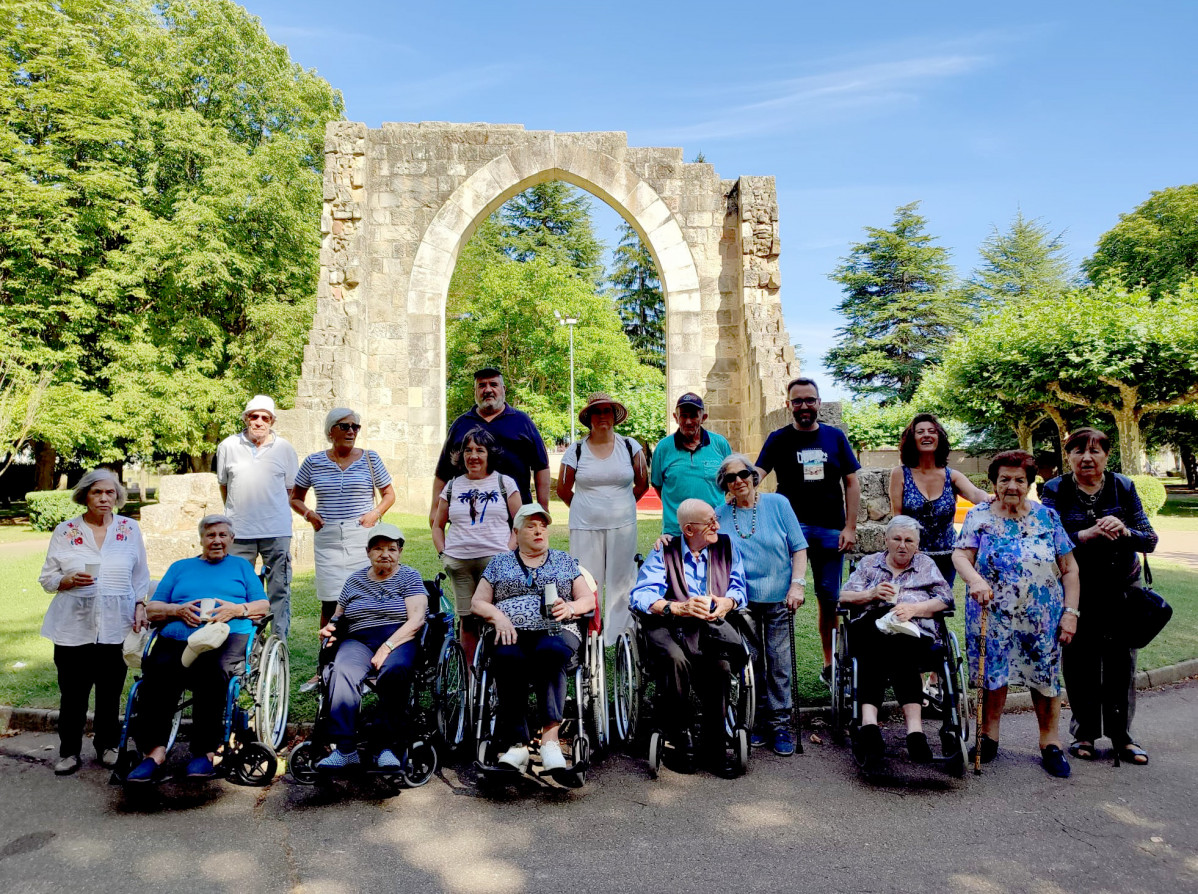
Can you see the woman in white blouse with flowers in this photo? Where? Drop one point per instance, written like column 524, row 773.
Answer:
column 96, row 567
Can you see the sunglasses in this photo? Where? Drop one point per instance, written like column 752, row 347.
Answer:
column 260, row 417
column 348, row 426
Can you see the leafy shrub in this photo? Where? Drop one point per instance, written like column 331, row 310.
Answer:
column 1152, row 493
column 979, row 479
column 48, row 508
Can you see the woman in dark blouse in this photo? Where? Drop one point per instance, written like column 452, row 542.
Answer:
column 1101, row 512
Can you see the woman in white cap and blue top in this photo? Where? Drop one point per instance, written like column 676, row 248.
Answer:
column 345, row 479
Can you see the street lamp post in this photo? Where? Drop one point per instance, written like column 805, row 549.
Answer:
column 570, row 322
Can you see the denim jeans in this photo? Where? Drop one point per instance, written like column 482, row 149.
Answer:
column 827, row 562
column 276, row 560
column 770, row 622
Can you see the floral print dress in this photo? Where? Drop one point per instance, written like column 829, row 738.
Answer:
column 1018, row 558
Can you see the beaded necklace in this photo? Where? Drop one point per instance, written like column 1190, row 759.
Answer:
column 752, row 522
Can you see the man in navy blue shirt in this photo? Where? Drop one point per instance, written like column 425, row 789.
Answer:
column 522, row 452
column 812, row 462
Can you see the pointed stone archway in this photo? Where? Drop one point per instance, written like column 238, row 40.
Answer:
column 402, row 201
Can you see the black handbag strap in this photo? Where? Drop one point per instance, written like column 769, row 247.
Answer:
column 1147, row 570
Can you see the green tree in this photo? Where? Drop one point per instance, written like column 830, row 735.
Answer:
column 899, row 310
column 511, row 324
column 1025, row 260
column 160, row 177
column 552, row 221
column 1154, row 247
column 639, row 299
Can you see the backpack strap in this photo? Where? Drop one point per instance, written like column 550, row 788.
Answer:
column 503, row 496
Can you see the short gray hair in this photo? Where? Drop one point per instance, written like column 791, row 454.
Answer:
column 211, row 521
column 722, row 476
column 79, row 494
column 338, row 414
column 904, row 523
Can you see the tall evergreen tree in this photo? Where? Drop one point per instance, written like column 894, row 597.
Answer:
column 899, row 309
column 1024, row 261
column 636, row 288
column 552, row 221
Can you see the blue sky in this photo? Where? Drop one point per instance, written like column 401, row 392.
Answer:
column 1071, row 112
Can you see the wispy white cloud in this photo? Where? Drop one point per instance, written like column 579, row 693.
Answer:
column 451, row 85
column 811, row 100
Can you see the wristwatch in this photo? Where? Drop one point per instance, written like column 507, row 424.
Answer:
column 667, row 611
column 1073, row 611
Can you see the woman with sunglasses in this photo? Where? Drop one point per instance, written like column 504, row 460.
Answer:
column 345, row 479
column 767, row 533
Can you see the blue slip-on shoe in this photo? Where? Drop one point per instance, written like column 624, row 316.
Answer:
column 784, row 741
column 339, row 760
column 200, row 768
column 387, row 760
column 1053, row 760
column 146, row 771
column 757, row 740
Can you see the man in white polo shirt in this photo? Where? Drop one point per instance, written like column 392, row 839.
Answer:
column 256, row 470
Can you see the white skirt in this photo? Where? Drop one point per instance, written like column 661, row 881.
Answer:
column 339, row 549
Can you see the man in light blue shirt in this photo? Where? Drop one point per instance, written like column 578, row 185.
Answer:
column 682, row 597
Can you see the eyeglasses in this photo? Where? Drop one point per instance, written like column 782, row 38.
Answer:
column 260, row 417
column 743, row 474
column 348, row 426
column 804, row 402
column 710, row 526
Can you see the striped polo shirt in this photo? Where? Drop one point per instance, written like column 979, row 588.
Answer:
column 377, row 604
column 343, row 494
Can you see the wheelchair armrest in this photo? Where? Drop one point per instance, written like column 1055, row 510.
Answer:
column 259, row 623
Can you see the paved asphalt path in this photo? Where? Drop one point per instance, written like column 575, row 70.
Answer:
column 805, row 823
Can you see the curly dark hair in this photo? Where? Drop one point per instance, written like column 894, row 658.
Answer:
column 480, row 437
column 909, row 450
column 1012, row 459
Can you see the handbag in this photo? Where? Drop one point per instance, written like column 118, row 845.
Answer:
column 1144, row 612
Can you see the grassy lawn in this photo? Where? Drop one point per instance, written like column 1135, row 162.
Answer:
column 23, row 603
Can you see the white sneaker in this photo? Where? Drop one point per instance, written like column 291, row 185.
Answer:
column 67, row 765
column 516, row 758
column 551, row 757
column 108, row 757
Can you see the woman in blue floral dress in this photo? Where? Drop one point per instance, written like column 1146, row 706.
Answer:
column 1017, row 561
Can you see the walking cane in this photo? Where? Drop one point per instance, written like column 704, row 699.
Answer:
column 794, row 689
column 981, row 696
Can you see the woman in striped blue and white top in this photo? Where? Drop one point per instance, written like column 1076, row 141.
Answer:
column 379, row 615
column 345, row 479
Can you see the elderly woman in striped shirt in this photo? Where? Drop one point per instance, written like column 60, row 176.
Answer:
column 379, row 615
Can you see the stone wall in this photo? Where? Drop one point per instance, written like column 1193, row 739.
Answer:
column 400, row 203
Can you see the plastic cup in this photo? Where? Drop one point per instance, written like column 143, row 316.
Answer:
column 207, row 609
column 92, row 569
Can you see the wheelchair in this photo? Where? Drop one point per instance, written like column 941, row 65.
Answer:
column 586, row 724
column 949, row 702
column 255, row 715
column 436, row 706
column 635, row 681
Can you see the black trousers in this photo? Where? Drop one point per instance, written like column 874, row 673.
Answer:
column 99, row 665
column 539, row 659
column 699, row 657
column 1100, row 679
column 888, row 658
column 163, row 680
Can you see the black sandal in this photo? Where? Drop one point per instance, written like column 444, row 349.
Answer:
column 989, row 749
column 1083, row 751
column 1133, row 754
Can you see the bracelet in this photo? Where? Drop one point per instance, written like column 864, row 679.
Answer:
column 1069, row 610
column 801, row 581
column 387, row 643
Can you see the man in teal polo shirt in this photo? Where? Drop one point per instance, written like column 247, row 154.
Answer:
column 685, row 463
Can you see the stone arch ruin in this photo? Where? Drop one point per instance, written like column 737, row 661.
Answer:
column 401, row 201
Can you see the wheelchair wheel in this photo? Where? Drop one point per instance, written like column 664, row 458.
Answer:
column 600, row 720
column 484, row 733
column 581, row 752
column 420, row 764
column 839, row 678
column 254, row 764
column 301, row 763
column 626, row 692
column 654, row 754
column 742, row 701
column 449, row 693
column 273, row 693
column 740, row 750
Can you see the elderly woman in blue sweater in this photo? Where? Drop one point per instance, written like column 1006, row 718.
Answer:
column 767, row 533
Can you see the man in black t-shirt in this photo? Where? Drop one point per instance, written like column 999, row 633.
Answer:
column 817, row 471
column 522, row 452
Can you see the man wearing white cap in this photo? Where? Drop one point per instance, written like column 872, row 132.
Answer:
column 256, row 470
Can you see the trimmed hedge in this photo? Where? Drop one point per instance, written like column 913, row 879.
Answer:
column 49, row 508
column 1152, row 493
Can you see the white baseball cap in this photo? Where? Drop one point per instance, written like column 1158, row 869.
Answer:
column 210, row 636
column 528, row 510
column 260, row 402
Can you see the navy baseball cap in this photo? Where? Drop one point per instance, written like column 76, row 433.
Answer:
column 690, row 399
column 487, row 372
